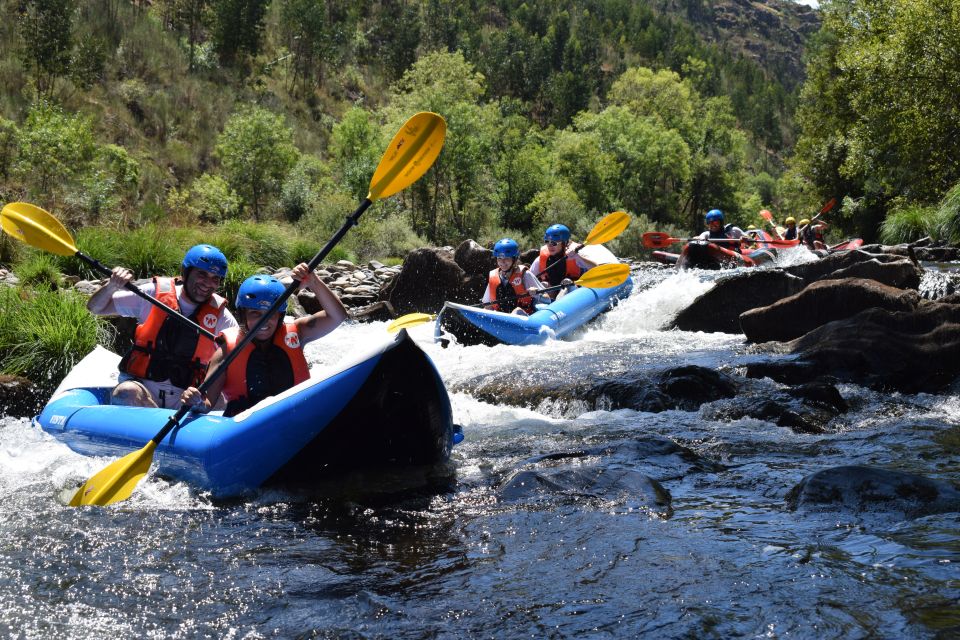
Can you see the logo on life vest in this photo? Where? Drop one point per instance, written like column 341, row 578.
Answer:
column 292, row 340
column 210, row 320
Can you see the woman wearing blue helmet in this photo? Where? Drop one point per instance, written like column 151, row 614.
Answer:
column 511, row 284
column 560, row 261
column 273, row 360
column 167, row 357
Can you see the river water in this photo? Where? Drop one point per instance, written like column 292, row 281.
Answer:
column 724, row 558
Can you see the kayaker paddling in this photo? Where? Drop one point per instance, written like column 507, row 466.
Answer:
column 167, row 356
column 273, row 360
column 560, row 261
column 513, row 285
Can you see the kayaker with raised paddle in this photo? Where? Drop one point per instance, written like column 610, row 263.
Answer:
column 273, row 360
column 560, row 261
column 512, row 284
column 167, row 356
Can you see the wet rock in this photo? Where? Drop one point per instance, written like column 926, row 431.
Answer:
column 820, row 303
column 381, row 311
column 19, row 397
column 719, row 308
column 858, row 489
column 429, row 277
column 474, row 259
column 591, row 481
column 807, row 409
column 910, row 351
column 892, row 270
column 683, row 388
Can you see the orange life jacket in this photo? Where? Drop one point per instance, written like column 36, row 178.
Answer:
column 497, row 290
column 165, row 349
column 236, row 389
column 554, row 271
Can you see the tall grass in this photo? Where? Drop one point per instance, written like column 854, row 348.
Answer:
column 39, row 270
column 907, row 224
column 946, row 223
column 43, row 334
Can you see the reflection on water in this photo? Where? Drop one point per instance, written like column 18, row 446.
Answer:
column 731, row 561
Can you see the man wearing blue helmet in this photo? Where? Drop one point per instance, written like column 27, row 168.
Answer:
column 510, row 283
column 166, row 356
column 560, row 261
column 714, row 247
column 273, row 360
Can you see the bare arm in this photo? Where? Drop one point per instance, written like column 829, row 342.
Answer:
column 327, row 319
column 101, row 302
column 191, row 396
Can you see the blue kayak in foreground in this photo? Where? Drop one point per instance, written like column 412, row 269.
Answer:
column 385, row 412
column 470, row 325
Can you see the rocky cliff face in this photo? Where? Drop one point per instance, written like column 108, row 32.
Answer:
column 772, row 32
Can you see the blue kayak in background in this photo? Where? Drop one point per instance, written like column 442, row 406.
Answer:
column 469, row 325
column 386, row 411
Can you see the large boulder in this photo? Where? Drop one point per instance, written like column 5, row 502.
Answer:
column 429, row 277
column 474, row 259
column 910, row 351
column 719, row 309
column 858, row 489
column 820, row 303
column 893, row 270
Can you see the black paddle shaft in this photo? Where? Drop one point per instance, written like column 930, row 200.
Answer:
column 222, row 368
column 173, row 313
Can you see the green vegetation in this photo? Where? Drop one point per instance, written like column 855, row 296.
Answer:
column 186, row 112
column 879, row 112
column 44, row 333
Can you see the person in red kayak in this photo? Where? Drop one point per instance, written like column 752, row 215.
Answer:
column 560, row 261
column 167, row 357
column 813, row 233
column 709, row 250
column 512, row 284
column 273, row 361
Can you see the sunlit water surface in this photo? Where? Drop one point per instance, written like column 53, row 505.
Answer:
column 730, row 560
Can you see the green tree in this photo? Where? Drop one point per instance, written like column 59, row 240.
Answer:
column 356, row 143
column 879, row 113
column 46, row 28
column 238, row 28
column 452, row 201
column 256, row 149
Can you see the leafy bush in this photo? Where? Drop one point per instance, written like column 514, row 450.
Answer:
column 376, row 239
column 43, row 334
column 208, row 200
column 907, row 224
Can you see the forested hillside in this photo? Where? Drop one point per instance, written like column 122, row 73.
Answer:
column 200, row 111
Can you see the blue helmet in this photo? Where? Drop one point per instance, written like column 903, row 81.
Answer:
column 208, row 258
column 557, row 233
column 714, row 214
column 260, row 292
column 506, row 248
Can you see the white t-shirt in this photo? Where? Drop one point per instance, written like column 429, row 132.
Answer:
column 530, row 281
column 130, row 305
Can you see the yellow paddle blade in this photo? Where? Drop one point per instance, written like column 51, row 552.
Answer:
column 606, row 275
column 609, row 227
column 31, row 224
column 411, row 152
column 117, row 480
column 409, row 320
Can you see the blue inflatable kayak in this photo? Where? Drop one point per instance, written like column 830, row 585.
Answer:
column 473, row 325
column 387, row 411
